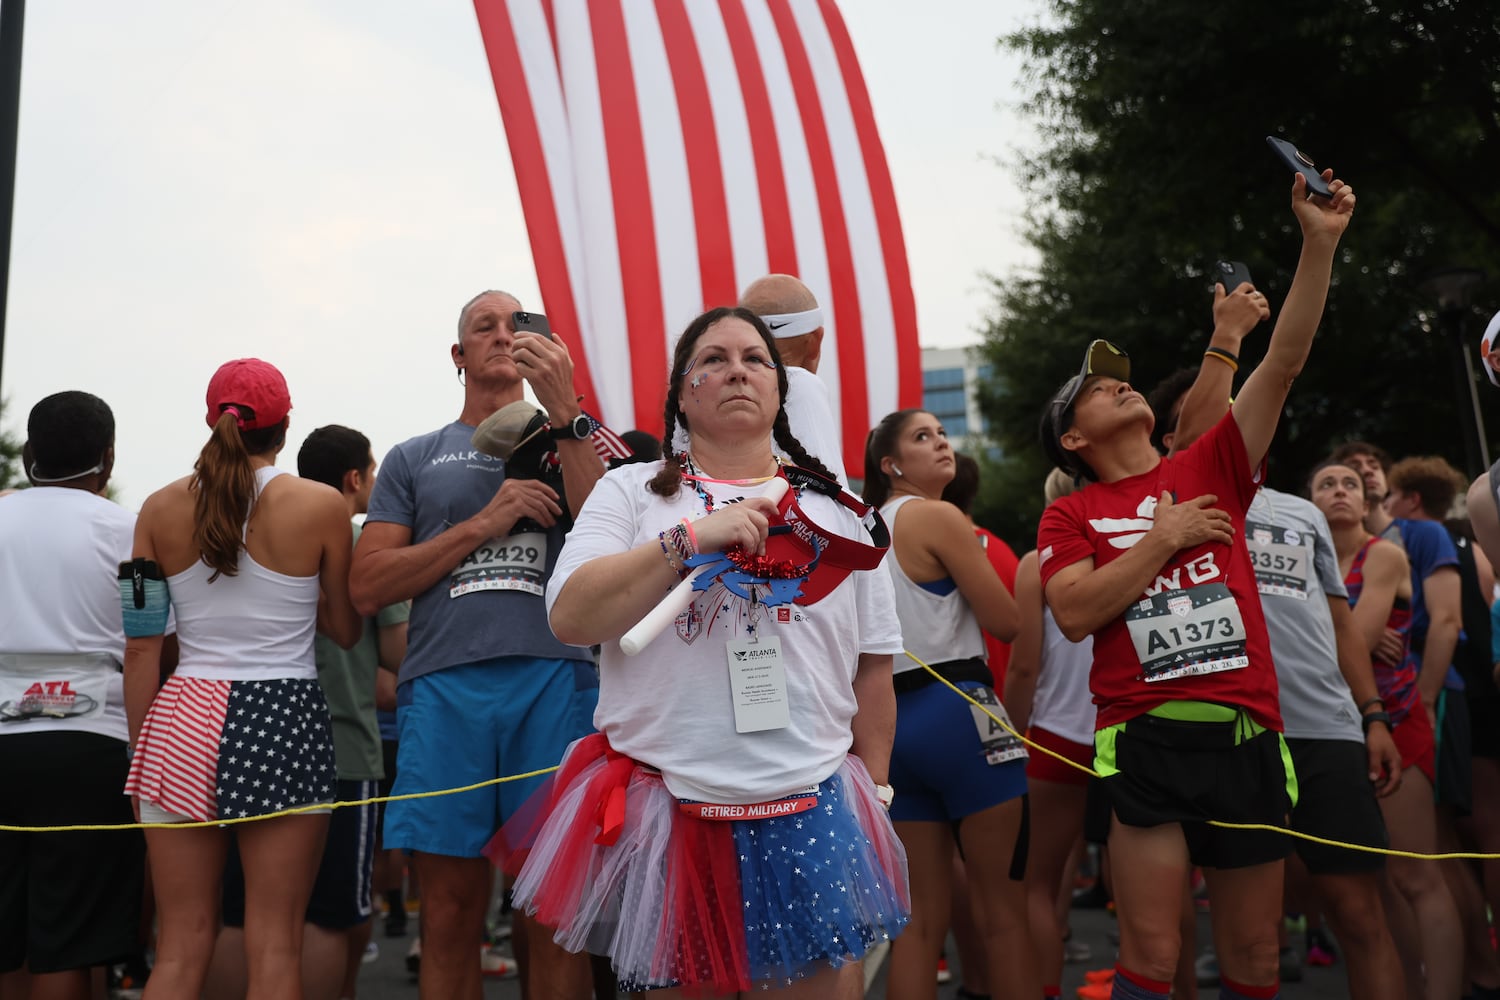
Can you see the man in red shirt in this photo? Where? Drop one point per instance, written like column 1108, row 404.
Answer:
column 1149, row 559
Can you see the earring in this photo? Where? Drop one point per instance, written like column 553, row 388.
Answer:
column 897, row 470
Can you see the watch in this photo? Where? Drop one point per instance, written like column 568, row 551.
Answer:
column 885, row 795
column 576, row 429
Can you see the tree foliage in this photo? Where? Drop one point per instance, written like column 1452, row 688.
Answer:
column 1153, row 165
column 11, row 474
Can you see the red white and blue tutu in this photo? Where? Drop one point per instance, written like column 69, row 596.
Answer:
column 218, row 749
column 607, row 856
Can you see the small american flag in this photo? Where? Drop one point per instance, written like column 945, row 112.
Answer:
column 607, row 444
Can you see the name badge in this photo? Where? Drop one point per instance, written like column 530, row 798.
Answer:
column 1183, row 633
column 995, row 741
column 515, row 562
column 1280, row 558
column 757, row 682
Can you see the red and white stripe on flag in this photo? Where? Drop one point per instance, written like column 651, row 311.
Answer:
column 668, row 153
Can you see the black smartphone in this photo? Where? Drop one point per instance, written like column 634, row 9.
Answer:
column 1231, row 274
column 1299, row 162
column 530, row 323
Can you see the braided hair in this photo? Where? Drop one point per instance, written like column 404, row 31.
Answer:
column 668, row 481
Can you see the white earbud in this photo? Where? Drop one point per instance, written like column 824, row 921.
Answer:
column 897, row 470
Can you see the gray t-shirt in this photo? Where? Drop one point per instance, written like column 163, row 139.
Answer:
column 1296, row 571
column 491, row 603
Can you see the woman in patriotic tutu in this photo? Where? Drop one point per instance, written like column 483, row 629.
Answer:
column 251, row 560
column 726, row 829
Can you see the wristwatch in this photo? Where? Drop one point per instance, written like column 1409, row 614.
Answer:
column 885, row 795
column 576, row 429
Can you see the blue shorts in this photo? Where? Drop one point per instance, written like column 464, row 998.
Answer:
column 938, row 765
column 477, row 722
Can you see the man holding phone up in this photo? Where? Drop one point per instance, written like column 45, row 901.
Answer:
column 486, row 689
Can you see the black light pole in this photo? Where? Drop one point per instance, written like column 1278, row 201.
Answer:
column 1453, row 287
column 12, row 26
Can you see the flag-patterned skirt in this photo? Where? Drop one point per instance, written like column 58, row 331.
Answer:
column 217, row 749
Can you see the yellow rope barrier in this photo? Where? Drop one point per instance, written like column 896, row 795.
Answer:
column 284, row 812
column 1389, row 852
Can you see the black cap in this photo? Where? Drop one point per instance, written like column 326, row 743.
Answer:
column 1102, row 358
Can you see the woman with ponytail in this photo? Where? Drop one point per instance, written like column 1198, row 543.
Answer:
column 252, row 561
column 960, row 776
column 724, row 830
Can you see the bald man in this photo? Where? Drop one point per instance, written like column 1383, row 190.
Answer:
column 790, row 311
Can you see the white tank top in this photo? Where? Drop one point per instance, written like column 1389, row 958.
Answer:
column 257, row 625
column 936, row 627
column 1062, row 703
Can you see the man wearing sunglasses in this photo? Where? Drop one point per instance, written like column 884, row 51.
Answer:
column 1149, row 559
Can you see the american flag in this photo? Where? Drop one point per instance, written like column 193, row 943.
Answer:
column 668, row 153
column 607, row 444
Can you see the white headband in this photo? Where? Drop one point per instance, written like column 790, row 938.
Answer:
column 783, row 325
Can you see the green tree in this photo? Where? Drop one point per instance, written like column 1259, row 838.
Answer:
column 11, row 474
column 1153, row 164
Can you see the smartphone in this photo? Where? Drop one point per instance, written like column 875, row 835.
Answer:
column 530, row 323
column 1299, row 162
column 1231, row 274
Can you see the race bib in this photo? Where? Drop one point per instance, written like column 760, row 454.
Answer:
column 1184, row 633
column 515, row 562
column 995, row 741
column 61, row 697
column 1282, row 562
column 757, row 682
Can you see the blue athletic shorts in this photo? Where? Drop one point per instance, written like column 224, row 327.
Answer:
column 476, row 722
column 938, row 766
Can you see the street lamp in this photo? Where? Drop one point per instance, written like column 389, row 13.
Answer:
column 1454, row 287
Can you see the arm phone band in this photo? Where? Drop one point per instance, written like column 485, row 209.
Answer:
column 144, row 599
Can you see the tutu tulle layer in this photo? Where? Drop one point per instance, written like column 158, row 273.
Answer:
column 607, row 857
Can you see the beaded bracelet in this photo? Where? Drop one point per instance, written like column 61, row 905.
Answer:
column 674, row 563
column 677, row 536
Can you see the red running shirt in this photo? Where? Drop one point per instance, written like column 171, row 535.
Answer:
column 1197, row 633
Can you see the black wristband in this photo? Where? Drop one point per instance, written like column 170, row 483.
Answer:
column 1226, row 355
column 1381, row 716
column 1372, row 701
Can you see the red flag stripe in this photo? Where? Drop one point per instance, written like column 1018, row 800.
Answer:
column 705, row 173
column 634, row 226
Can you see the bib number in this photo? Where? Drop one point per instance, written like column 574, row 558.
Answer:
column 1280, row 559
column 515, row 562
column 757, row 682
column 1187, row 633
column 995, row 741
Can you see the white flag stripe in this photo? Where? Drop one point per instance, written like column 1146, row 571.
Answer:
column 666, row 164
column 732, row 132
column 602, row 300
column 802, row 196
column 877, row 327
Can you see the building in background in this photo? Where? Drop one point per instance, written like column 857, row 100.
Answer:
column 950, row 391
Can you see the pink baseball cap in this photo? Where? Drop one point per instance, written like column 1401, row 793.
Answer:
column 1488, row 343
column 254, row 389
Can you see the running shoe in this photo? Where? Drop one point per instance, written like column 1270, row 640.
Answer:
column 944, row 974
column 372, row 952
column 494, row 965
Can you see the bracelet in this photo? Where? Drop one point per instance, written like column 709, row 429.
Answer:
column 885, row 795
column 692, row 535
column 1377, row 700
column 1224, row 356
column 673, row 563
column 678, row 536
column 1364, row 723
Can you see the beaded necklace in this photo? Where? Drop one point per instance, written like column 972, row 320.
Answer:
column 694, row 475
column 757, row 566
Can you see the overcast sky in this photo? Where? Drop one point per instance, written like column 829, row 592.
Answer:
column 323, row 185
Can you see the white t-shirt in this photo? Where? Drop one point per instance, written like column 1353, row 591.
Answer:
column 60, row 602
column 671, row 707
column 809, row 413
